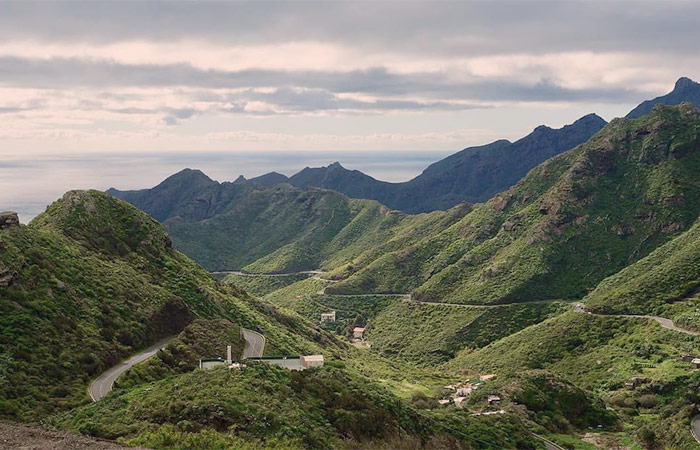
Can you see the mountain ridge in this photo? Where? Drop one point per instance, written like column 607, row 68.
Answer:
column 685, row 89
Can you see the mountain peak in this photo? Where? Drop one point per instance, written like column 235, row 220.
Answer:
column 685, row 90
column 336, row 165
column 685, row 83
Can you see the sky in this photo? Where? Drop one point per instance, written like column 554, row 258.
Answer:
column 99, row 94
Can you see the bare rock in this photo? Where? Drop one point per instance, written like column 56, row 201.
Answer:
column 6, row 277
column 8, row 219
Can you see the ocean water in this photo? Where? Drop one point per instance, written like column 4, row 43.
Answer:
column 29, row 183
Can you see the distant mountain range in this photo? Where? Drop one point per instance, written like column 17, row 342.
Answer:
column 472, row 175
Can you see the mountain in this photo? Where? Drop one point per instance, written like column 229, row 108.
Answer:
column 685, row 90
column 472, row 175
column 572, row 221
column 669, row 274
column 270, row 179
column 230, row 226
column 91, row 281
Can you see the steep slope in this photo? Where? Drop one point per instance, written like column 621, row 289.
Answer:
column 230, row 226
column 685, row 90
column 91, row 281
column 474, row 174
column 669, row 273
column 177, row 195
column 568, row 224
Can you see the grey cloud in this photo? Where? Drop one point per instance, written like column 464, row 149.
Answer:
column 452, row 28
column 321, row 86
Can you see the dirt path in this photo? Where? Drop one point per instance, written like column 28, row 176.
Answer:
column 15, row 436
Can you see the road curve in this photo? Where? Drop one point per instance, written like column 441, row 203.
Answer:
column 105, row 382
column 549, row 445
column 254, row 344
column 664, row 322
column 695, row 428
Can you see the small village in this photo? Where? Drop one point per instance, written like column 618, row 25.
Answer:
column 460, row 392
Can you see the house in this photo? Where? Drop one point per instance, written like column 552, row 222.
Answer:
column 458, row 401
column 696, row 363
column 359, row 333
column 492, row 400
column 487, row 377
column 463, row 392
column 444, row 401
column 312, row 361
column 328, row 317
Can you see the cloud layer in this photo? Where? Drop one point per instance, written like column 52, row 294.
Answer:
column 199, row 75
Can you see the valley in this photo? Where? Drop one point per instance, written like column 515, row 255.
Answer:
column 561, row 312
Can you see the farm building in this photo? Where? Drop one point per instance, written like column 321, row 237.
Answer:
column 208, row 363
column 696, row 363
column 493, row 400
column 688, row 358
column 358, row 333
column 312, row 361
column 328, row 317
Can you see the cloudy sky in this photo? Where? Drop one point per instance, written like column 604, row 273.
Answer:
column 117, row 79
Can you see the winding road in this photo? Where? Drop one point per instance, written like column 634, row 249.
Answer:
column 254, row 344
column 695, row 428
column 666, row 323
column 105, row 382
column 103, row 385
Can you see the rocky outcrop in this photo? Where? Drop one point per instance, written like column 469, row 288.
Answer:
column 8, row 219
column 6, row 276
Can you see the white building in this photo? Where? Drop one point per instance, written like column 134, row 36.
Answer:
column 312, row 361
column 328, row 317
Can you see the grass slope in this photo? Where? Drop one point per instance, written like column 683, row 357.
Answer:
column 669, row 273
column 267, row 406
column 91, row 281
column 571, row 222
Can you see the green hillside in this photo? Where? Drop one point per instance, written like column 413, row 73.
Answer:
column 91, row 281
column 669, row 273
column 264, row 406
column 600, row 354
column 571, row 222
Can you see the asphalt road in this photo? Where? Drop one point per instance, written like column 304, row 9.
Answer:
column 104, row 383
column 695, row 428
column 254, row 344
column 666, row 323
